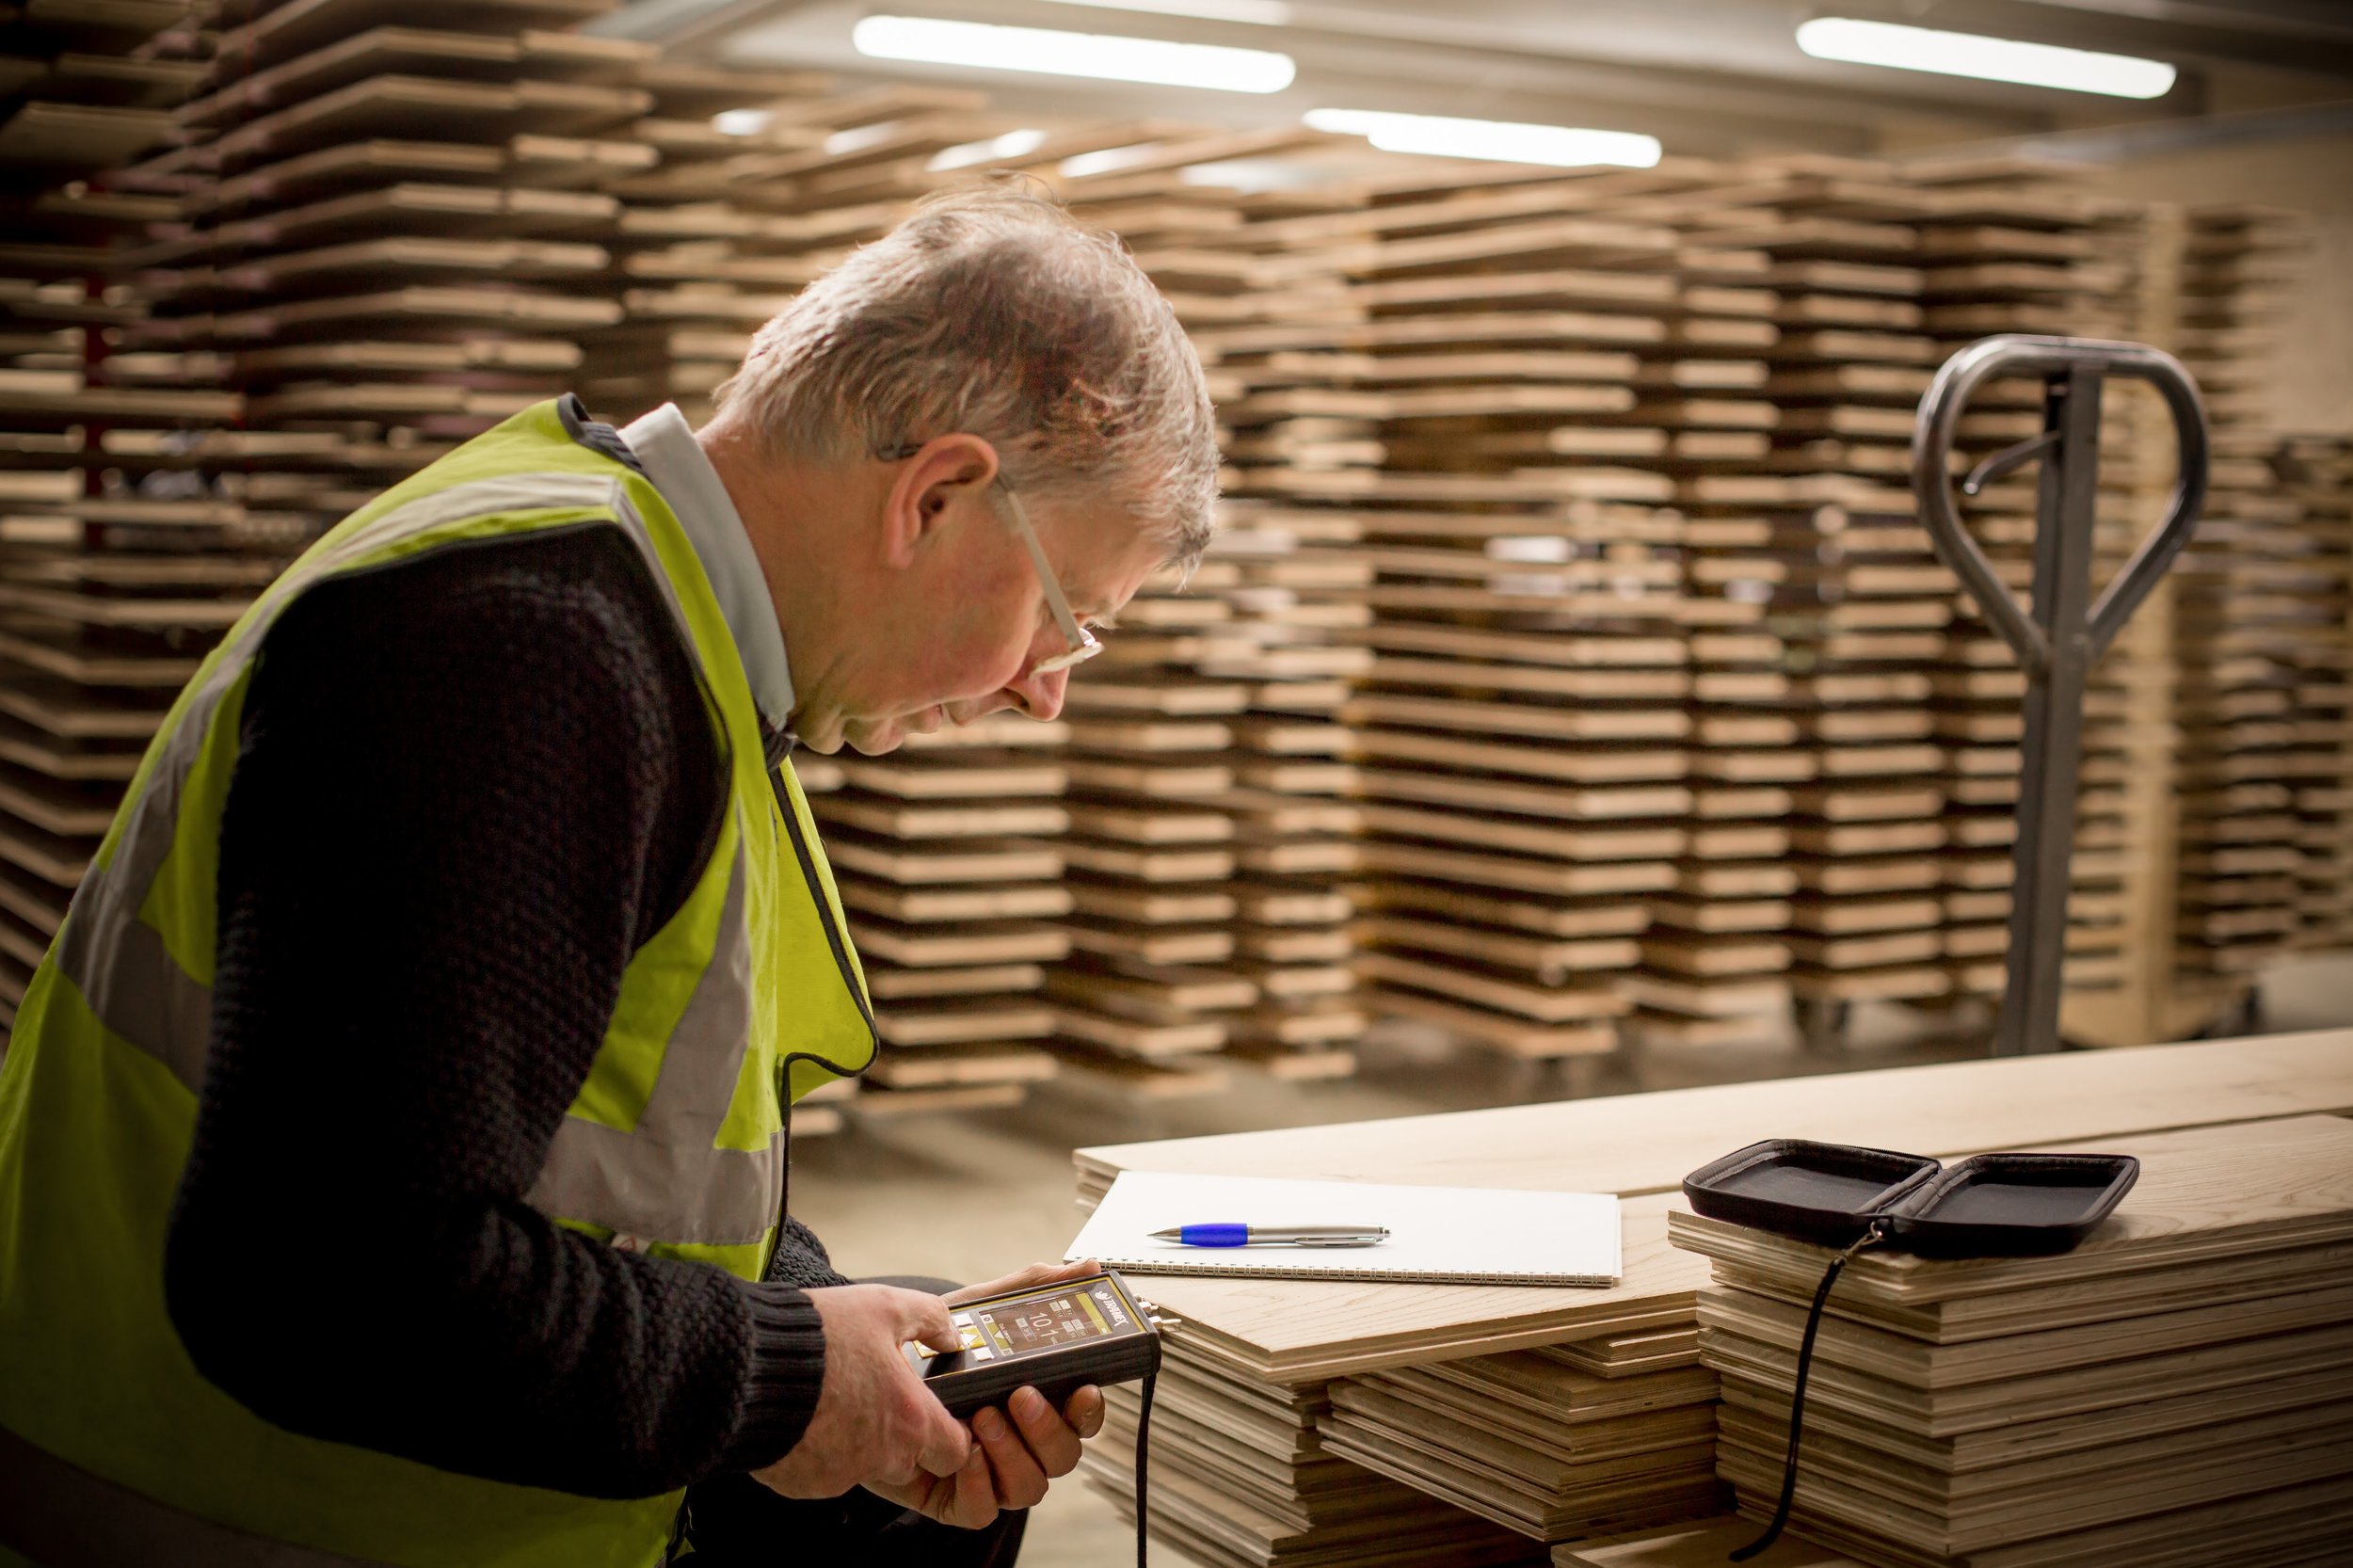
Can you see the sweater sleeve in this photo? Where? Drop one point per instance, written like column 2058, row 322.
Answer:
column 468, row 788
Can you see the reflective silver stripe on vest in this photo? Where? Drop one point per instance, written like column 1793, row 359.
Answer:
column 663, row 1180
column 118, row 962
column 62, row 1516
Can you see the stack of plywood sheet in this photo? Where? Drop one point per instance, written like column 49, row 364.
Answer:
column 2249, row 611
column 2319, row 472
column 1296, row 585
column 1759, row 534
column 1250, row 1429
column 1288, row 569
column 390, row 226
column 1292, row 584
column 122, row 558
column 947, row 858
column 1861, row 609
column 1205, row 768
column 1520, row 731
column 1713, row 957
column 1716, row 962
column 1268, row 1384
column 1561, row 1443
column 713, row 239
column 1150, row 987
column 2171, row 1391
column 2014, row 247
column 1257, row 1486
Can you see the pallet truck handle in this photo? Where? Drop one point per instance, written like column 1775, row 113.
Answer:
column 2017, row 354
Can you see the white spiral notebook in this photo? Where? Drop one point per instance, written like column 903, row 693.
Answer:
column 1437, row 1235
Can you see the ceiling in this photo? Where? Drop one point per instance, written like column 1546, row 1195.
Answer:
column 1709, row 77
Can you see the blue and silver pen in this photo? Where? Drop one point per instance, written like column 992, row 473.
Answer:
column 1274, row 1235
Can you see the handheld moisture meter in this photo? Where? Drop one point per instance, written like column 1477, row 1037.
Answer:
column 1055, row 1338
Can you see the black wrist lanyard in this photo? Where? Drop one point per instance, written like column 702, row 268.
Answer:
column 1143, row 1451
column 1870, row 1237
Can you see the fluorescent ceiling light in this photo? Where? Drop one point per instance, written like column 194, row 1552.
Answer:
column 1258, row 13
column 1498, row 140
column 1057, row 54
column 1011, row 145
column 1991, row 60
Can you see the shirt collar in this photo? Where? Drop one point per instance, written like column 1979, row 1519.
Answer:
column 674, row 461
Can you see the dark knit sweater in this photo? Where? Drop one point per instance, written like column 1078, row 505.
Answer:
column 469, row 787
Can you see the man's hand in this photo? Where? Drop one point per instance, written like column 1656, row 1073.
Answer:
column 1015, row 1458
column 875, row 1423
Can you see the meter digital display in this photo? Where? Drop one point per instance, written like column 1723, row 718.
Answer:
column 1056, row 1339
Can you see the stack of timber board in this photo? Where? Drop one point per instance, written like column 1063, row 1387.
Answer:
column 710, row 241
column 1205, row 773
column 1753, row 536
column 1259, row 1487
column 2250, row 613
column 946, row 855
column 1294, row 587
column 1717, row 959
column 2020, row 249
column 1561, row 1443
column 1904, row 818
column 122, row 556
column 1861, row 621
column 1519, row 732
column 2131, row 698
column 1254, row 637
column 1245, row 1472
column 1294, row 575
column 1719, row 946
column 1796, row 346
column 2319, row 472
column 389, row 222
column 2174, row 1390
column 1714, row 951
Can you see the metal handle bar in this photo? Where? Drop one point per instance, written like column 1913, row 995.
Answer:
column 2017, row 354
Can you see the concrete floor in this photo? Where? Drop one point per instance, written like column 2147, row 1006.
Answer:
column 974, row 1197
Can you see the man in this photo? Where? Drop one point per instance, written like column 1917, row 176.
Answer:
column 392, row 1145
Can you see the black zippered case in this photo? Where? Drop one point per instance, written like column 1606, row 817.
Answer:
column 1987, row 1206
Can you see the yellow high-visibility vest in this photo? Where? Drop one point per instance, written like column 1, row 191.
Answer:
column 675, row 1144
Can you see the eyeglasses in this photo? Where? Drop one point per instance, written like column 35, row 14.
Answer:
column 1081, row 644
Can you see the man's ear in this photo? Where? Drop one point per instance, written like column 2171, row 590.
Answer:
column 926, row 488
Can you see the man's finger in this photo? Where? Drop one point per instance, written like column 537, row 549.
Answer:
column 1019, row 1482
column 1035, row 1275
column 973, row 1504
column 1084, row 1411
column 1049, row 1436
column 947, row 1448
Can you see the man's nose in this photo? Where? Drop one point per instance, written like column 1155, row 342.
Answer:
column 1040, row 696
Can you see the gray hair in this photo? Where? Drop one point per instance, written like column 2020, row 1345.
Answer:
column 993, row 312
